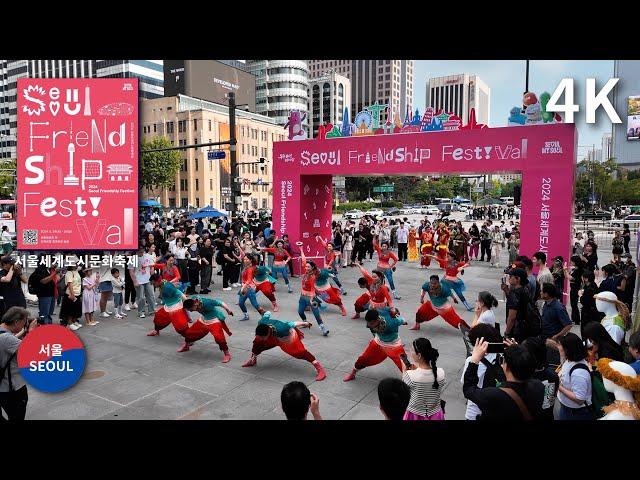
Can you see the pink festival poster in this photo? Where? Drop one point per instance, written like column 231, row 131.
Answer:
column 77, row 164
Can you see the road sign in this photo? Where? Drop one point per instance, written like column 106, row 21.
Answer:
column 215, row 154
column 478, row 189
column 383, row 189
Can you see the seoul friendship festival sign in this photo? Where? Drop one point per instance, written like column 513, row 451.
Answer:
column 77, row 164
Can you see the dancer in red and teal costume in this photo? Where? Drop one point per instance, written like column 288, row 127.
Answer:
column 438, row 304
column 387, row 261
column 331, row 262
column 212, row 321
column 308, row 297
column 451, row 276
column 248, row 287
column 426, row 248
column 385, row 343
column 443, row 244
column 286, row 335
column 377, row 294
column 328, row 293
column 281, row 258
column 265, row 283
column 172, row 311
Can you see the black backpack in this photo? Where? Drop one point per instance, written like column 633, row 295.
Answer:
column 494, row 374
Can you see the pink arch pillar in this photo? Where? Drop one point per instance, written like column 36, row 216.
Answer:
column 545, row 155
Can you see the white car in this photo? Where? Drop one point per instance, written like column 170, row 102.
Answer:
column 462, row 208
column 429, row 210
column 406, row 210
column 354, row 214
column 374, row 212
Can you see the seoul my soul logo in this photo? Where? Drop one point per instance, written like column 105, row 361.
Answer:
column 51, row 358
column 323, row 158
column 552, row 147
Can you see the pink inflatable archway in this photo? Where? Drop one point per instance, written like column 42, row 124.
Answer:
column 545, row 155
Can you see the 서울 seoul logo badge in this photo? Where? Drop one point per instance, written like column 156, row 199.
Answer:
column 51, row 358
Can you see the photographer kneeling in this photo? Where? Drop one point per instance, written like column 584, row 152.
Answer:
column 13, row 389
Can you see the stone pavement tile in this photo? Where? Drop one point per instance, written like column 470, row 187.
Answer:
column 174, row 369
column 371, row 399
column 216, row 380
column 82, row 406
column 128, row 389
column 89, row 339
column 289, row 370
column 39, row 400
column 259, row 392
column 167, row 404
column 97, row 373
column 106, row 350
column 362, row 412
column 225, row 409
column 330, row 358
column 455, row 408
column 354, row 391
column 136, row 359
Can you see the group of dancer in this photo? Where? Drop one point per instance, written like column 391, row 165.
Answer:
column 320, row 287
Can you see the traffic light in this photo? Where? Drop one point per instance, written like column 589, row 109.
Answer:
column 262, row 165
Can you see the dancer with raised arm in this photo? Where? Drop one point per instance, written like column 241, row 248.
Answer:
column 451, row 277
column 385, row 265
column 248, row 287
column 280, row 260
column 308, row 296
column 377, row 294
column 331, row 262
column 212, row 321
column 438, row 304
column 385, row 343
column 265, row 283
column 286, row 335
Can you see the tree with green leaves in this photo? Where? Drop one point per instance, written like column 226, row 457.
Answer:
column 7, row 177
column 159, row 169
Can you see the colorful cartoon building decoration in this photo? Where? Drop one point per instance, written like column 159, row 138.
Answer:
column 368, row 122
column 296, row 131
column 533, row 111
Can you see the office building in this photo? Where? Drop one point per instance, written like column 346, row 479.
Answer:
column 281, row 86
column 607, row 146
column 387, row 82
column 459, row 94
column 328, row 96
column 200, row 182
column 148, row 72
column 626, row 102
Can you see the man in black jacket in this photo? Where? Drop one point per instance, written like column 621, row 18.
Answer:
column 519, row 398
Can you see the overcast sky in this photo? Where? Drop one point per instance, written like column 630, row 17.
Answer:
column 506, row 79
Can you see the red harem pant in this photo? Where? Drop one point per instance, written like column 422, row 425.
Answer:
column 199, row 330
column 375, row 353
column 268, row 289
column 442, row 256
column 330, row 295
column 426, row 261
column 292, row 345
column 427, row 312
column 176, row 315
column 362, row 302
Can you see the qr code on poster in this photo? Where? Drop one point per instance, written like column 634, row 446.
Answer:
column 30, row 237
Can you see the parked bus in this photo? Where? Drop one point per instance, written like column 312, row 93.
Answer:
column 509, row 201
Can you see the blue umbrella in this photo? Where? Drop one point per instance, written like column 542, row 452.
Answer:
column 207, row 212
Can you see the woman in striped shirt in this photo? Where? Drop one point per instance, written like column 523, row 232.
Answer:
column 426, row 382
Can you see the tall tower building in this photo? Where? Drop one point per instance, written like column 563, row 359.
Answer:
column 328, row 96
column 459, row 94
column 281, row 86
column 372, row 81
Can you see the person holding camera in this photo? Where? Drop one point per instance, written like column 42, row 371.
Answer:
column 11, row 278
column 426, row 382
column 297, row 401
column 43, row 283
column 13, row 389
column 519, row 398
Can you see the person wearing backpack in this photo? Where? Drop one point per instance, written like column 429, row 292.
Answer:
column 13, row 389
column 43, row 283
column 519, row 398
column 574, row 392
column 490, row 373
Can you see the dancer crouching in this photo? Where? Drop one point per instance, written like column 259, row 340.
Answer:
column 172, row 311
column 439, row 294
column 286, row 335
column 212, row 321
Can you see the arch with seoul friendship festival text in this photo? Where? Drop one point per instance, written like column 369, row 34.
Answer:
column 545, row 155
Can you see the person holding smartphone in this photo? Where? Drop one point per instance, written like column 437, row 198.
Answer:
column 15, row 324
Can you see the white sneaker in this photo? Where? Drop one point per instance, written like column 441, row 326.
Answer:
column 127, row 307
column 135, row 305
column 105, row 315
column 73, row 326
column 78, row 325
column 226, row 289
column 118, row 316
column 141, row 315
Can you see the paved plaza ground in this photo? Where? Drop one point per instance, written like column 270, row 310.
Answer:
column 132, row 376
